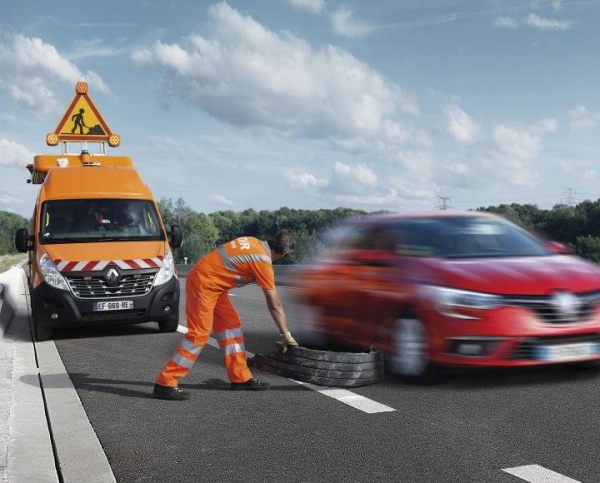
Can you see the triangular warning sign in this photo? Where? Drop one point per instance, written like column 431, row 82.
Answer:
column 82, row 121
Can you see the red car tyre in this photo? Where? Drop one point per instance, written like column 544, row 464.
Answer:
column 410, row 359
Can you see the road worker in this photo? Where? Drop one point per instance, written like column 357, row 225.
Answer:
column 233, row 264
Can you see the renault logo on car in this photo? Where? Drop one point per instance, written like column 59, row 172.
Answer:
column 112, row 277
column 566, row 304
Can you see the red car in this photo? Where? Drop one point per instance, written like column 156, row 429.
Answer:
column 451, row 288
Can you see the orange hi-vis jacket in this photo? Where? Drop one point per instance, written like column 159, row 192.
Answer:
column 234, row 264
column 237, row 263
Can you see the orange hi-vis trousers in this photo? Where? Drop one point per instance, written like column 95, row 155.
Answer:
column 208, row 310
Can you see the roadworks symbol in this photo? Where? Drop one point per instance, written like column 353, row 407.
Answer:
column 82, row 121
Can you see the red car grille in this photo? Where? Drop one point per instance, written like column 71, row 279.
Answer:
column 525, row 351
column 551, row 312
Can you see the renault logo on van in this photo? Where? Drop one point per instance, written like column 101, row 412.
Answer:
column 112, row 277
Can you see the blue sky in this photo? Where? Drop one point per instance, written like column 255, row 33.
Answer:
column 380, row 105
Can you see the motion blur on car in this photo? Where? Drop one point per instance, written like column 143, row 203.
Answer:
column 450, row 288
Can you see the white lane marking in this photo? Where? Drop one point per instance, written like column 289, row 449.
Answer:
column 538, row 474
column 356, row 401
column 361, row 403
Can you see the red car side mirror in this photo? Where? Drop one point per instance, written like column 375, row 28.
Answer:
column 559, row 248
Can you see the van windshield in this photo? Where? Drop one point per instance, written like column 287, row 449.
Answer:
column 95, row 220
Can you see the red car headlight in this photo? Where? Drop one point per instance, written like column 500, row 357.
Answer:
column 458, row 303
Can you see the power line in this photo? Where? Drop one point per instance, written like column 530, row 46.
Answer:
column 571, row 201
column 444, row 202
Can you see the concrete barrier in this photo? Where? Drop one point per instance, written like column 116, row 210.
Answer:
column 11, row 281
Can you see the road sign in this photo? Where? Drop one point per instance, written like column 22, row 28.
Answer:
column 82, row 121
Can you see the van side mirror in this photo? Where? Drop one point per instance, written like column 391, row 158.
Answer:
column 23, row 242
column 176, row 235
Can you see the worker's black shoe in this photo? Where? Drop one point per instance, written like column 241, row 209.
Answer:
column 251, row 385
column 167, row 392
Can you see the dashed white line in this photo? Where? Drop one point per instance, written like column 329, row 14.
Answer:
column 356, row 401
column 361, row 403
column 538, row 474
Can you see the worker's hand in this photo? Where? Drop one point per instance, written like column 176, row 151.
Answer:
column 286, row 341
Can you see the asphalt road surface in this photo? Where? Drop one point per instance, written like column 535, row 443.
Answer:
column 492, row 426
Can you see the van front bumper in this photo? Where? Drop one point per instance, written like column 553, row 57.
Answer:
column 53, row 308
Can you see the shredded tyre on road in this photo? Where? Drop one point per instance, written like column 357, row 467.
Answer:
column 324, row 368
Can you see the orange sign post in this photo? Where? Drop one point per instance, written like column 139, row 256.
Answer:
column 83, row 122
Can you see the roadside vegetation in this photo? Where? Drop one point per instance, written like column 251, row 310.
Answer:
column 576, row 226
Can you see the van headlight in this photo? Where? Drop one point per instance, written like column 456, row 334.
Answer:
column 167, row 269
column 450, row 301
column 51, row 274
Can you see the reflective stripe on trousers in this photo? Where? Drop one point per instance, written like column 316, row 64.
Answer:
column 208, row 310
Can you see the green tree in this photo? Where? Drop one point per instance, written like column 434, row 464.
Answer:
column 588, row 247
column 200, row 237
column 9, row 223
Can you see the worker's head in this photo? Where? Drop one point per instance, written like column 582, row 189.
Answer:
column 282, row 243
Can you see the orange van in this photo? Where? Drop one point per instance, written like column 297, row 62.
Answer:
column 98, row 250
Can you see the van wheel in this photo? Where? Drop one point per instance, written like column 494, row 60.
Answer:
column 169, row 325
column 40, row 333
column 409, row 357
column 324, row 368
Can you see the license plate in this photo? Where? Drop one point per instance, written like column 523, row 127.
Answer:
column 117, row 305
column 566, row 351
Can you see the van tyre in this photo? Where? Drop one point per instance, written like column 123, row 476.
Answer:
column 409, row 358
column 169, row 325
column 40, row 333
column 324, row 368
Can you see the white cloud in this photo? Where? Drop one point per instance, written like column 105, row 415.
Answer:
column 13, row 154
column 506, row 22
column 535, row 21
column 348, row 180
column 345, row 24
column 583, row 168
column 221, row 200
column 515, row 142
column 582, row 118
column 248, row 75
column 313, row 6
column 590, row 175
column 541, row 23
column 29, row 67
column 460, row 125
column 304, row 181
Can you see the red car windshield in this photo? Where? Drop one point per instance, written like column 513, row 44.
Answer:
column 467, row 237
column 431, row 236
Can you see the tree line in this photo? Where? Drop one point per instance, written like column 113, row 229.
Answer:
column 576, row 226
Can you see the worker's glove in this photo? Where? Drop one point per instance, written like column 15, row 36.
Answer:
column 287, row 341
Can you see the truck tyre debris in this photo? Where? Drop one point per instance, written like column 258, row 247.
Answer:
column 324, row 368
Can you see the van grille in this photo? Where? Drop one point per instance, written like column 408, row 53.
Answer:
column 96, row 287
